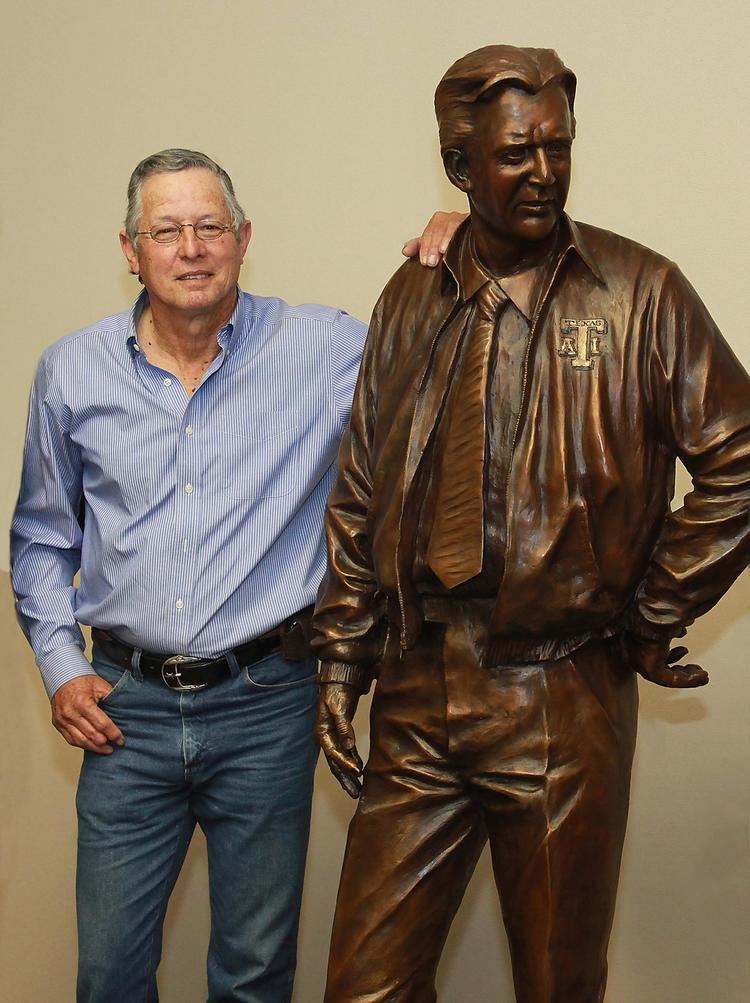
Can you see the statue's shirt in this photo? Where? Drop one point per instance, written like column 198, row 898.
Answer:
column 508, row 349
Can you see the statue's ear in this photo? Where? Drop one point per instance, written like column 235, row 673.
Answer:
column 457, row 169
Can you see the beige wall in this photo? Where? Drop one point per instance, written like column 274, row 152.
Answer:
column 322, row 113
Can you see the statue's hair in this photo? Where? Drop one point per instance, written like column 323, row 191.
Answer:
column 477, row 77
column 167, row 161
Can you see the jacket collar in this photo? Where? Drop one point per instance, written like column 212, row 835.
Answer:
column 578, row 242
column 469, row 275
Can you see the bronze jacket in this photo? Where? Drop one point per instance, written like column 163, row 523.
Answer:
column 625, row 371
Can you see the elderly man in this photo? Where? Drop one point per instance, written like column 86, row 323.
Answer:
column 503, row 555
column 180, row 455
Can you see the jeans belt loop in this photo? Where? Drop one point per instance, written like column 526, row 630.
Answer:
column 234, row 665
column 135, row 663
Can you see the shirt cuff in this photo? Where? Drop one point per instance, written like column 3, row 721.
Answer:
column 344, row 672
column 61, row 665
column 636, row 623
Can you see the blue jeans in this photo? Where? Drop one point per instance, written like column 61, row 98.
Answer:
column 237, row 758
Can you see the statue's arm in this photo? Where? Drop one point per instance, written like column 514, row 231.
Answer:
column 701, row 401
column 349, row 615
column 335, row 732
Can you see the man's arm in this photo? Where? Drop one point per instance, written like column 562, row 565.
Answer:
column 45, row 555
column 348, row 618
column 700, row 394
column 335, row 732
column 348, row 611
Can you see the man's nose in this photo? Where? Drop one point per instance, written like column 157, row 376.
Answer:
column 190, row 245
column 541, row 173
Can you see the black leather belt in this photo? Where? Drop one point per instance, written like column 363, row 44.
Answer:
column 186, row 672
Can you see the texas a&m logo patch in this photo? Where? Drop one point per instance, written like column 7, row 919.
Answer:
column 581, row 341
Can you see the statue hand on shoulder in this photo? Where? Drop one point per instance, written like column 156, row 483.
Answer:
column 336, row 708
column 655, row 661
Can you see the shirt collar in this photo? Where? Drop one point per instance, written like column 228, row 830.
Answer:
column 136, row 311
column 525, row 288
column 224, row 336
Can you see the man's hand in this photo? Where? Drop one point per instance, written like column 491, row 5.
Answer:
column 76, row 715
column 655, row 661
column 336, row 708
column 433, row 243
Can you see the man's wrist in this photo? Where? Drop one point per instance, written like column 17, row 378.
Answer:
column 345, row 672
column 61, row 665
column 646, row 630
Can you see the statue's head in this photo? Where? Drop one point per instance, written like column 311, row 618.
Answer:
column 506, row 125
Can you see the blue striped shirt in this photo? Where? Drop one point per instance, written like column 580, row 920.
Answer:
column 196, row 521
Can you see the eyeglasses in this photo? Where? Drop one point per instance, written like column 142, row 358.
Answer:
column 168, row 233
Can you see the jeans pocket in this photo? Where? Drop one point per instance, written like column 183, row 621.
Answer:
column 119, row 684
column 278, row 673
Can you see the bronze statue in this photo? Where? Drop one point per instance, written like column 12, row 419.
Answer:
column 503, row 556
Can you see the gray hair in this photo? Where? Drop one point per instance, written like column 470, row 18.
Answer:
column 177, row 160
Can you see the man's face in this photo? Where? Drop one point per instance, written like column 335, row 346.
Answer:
column 517, row 162
column 190, row 277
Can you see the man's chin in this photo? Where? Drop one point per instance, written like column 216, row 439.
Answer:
column 536, row 223
column 537, row 228
column 200, row 295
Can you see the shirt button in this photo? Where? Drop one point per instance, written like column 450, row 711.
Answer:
column 189, row 489
column 188, row 430
column 167, row 381
column 179, row 604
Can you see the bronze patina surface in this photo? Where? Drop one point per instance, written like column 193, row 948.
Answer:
column 503, row 556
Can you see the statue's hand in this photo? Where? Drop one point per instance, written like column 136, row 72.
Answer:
column 336, row 708
column 436, row 236
column 655, row 661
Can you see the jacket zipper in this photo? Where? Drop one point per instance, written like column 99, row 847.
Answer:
column 524, row 386
column 399, row 590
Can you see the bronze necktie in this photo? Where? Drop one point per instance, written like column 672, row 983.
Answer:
column 456, row 546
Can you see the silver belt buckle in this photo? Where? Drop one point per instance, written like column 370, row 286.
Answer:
column 170, row 673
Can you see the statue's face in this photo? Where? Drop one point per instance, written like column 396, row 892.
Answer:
column 517, row 162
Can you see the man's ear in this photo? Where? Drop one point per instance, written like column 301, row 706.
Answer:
column 245, row 235
column 457, row 168
column 130, row 252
